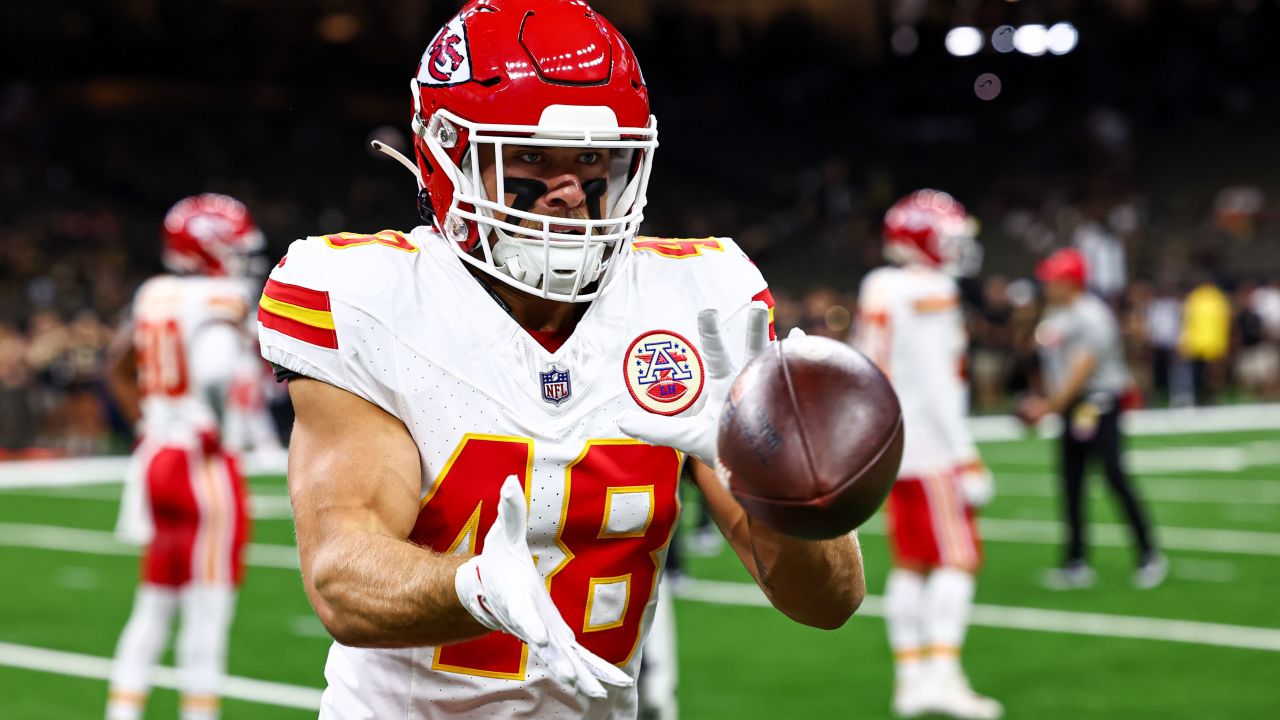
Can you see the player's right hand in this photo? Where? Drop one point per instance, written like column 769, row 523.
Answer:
column 976, row 484
column 503, row 590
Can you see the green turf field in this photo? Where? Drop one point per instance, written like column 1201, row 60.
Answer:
column 1109, row 652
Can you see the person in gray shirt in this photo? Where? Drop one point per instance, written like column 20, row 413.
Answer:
column 1084, row 377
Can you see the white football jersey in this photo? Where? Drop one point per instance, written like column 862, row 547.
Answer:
column 400, row 321
column 910, row 324
column 189, row 336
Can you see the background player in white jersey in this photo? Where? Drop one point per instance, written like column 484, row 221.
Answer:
column 911, row 325
column 182, row 351
column 476, row 531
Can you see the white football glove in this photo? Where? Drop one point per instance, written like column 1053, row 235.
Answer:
column 696, row 435
column 503, row 590
column 976, row 484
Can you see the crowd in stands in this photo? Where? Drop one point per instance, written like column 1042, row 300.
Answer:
column 1193, row 346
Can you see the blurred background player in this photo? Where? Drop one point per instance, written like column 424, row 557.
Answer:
column 1085, row 380
column 174, row 369
column 911, row 326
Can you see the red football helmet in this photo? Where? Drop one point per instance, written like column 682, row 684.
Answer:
column 210, row 234
column 1066, row 265
column 928, row 227
column 533, row 73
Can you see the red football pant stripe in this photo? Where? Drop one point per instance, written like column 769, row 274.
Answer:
column 200, row 516
column 930, row 524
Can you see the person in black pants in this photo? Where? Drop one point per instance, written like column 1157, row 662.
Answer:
column 1084, row 371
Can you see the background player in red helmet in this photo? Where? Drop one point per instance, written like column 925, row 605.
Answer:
column 910, row 323
column 1085, row 379
column 479, row 527
column 172, row 374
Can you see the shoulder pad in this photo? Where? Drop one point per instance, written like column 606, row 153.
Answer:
column 723, row 275
column 329, row 304
column 348, row 265
column 355, row 270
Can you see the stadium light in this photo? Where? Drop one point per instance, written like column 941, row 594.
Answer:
column 964, row 41
column 1002, row 39
column 1031, row 39
column 987, row 86
column 1062, row 38
column 904, row 40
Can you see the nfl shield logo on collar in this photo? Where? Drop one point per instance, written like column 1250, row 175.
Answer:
column 555, row 385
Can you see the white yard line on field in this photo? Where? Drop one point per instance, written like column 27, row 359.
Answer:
column 99, row 542
column 1049, row 532
column 1156, row 421
column 263, row 506
column 1010, row 530
column 63, row 472
column 1196, row 491
column 1020, row 618
column 1156, row 488
column 1225, row 458
column 1213, row 458
column 995, row 429
column 99, row 668
column 1213, row 571
column 105, row 491
column 709, row 591
column 1116, row 535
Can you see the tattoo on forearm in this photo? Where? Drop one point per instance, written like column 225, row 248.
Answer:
column 763, row 569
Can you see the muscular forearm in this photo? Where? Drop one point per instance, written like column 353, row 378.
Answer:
column 817, row 583
column 373, row 590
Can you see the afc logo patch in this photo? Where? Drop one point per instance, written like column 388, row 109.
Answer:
column 556, row 387
column 447, row 60
column 663, row 372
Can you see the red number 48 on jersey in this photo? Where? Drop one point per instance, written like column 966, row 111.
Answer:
column 617, row 516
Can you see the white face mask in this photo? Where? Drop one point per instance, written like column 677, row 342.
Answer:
column 520, row 247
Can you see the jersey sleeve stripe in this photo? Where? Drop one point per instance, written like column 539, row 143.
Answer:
column 766, row 297
column 315, row 318
column 320, row 336
column 297, row 295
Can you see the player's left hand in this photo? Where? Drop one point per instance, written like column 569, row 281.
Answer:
column 696, row 435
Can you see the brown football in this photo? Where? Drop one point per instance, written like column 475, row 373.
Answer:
column 811, row 437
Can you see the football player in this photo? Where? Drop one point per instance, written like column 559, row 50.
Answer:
column 184, row 496
column 493, row 409
column 911, row 326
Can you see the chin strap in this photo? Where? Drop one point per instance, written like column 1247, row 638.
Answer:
column 400, row 158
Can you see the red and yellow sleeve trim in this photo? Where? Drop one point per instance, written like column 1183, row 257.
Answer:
column 300, row 313
column 766, row 297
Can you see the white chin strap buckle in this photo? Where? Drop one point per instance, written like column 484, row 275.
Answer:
column 557, row 268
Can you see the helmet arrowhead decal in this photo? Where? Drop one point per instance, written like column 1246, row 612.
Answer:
column 447, row 60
